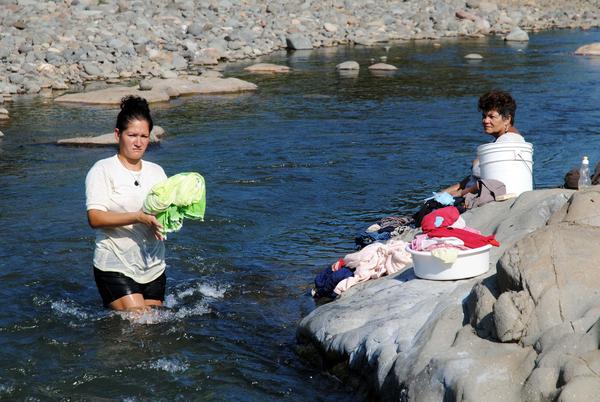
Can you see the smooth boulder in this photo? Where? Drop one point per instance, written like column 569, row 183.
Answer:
column 267, row 68
column 382, row 67
column 592, row 49
column 108, row 139
column 474, row 56
column 348, row 65
column 162, row 90
column 517, row 35
column 298, row 42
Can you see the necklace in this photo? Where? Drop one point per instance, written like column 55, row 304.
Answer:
column 136, row 176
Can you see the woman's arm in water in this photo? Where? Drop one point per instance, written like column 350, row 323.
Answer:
column 108, row 219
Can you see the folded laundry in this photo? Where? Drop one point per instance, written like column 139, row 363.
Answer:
column 423, row 242
column 471, row 239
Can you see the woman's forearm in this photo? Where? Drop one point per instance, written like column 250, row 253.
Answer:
column 107, row 219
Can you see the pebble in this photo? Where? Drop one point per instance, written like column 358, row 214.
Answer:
column 145, row 85
column 114, row 39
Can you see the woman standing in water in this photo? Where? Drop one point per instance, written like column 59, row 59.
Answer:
column 129, row 258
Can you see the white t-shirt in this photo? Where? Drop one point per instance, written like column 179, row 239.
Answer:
column 132, row 249
column 510, row 137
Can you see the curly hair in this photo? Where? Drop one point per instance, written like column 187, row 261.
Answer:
column 499, row 101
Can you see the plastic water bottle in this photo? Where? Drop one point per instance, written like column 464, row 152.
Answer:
column 584, row 174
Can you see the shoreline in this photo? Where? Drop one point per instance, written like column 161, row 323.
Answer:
column 63, row 46
column 527, row 330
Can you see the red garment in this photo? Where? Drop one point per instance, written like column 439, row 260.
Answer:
column 449, row 215
column 472, row 240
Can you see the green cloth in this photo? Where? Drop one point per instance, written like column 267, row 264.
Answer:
column 180, row 196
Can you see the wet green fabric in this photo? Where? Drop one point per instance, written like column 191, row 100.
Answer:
column 179, row 197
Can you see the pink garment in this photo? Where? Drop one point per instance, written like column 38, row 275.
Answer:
column 423, row 242
column 445, row 245
column 374, row 261
column 459, row 224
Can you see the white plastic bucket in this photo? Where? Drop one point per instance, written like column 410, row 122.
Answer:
column 509, row 162
column 469, row 263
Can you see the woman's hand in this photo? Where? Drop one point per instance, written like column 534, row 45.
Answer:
column 150, row 220
column 104, row 219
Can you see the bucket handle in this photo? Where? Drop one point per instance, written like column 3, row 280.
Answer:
column 518, row 155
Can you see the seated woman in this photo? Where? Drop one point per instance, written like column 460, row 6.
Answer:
column 498, row 110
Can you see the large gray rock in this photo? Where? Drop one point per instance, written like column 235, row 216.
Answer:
column 429, row 340
column 298, row 42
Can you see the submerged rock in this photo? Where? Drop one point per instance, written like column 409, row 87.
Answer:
column 162, row 90
column 382, row 67
column 592, row 49
column 267, row 68
column 348, row 65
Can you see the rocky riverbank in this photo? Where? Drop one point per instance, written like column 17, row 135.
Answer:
column 527, row 331
column 61, row 44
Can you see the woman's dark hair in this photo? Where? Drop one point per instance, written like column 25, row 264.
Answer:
column 500, row 101
column 133, row 108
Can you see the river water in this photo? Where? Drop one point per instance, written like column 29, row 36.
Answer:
column 293, row 171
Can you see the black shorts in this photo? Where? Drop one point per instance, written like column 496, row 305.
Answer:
column 114, row 285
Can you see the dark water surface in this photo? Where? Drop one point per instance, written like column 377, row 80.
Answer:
column 292, row 172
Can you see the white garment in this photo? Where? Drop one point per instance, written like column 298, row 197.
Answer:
column 373, row 261
column 446, row 255
column 132, row 249
column 510, row 137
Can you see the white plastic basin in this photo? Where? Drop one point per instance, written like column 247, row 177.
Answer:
column 469, row 263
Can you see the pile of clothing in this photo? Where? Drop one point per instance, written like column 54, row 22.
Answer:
column 373, row 261
column 381, row 252
column 384, row 229
column 445, row 233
